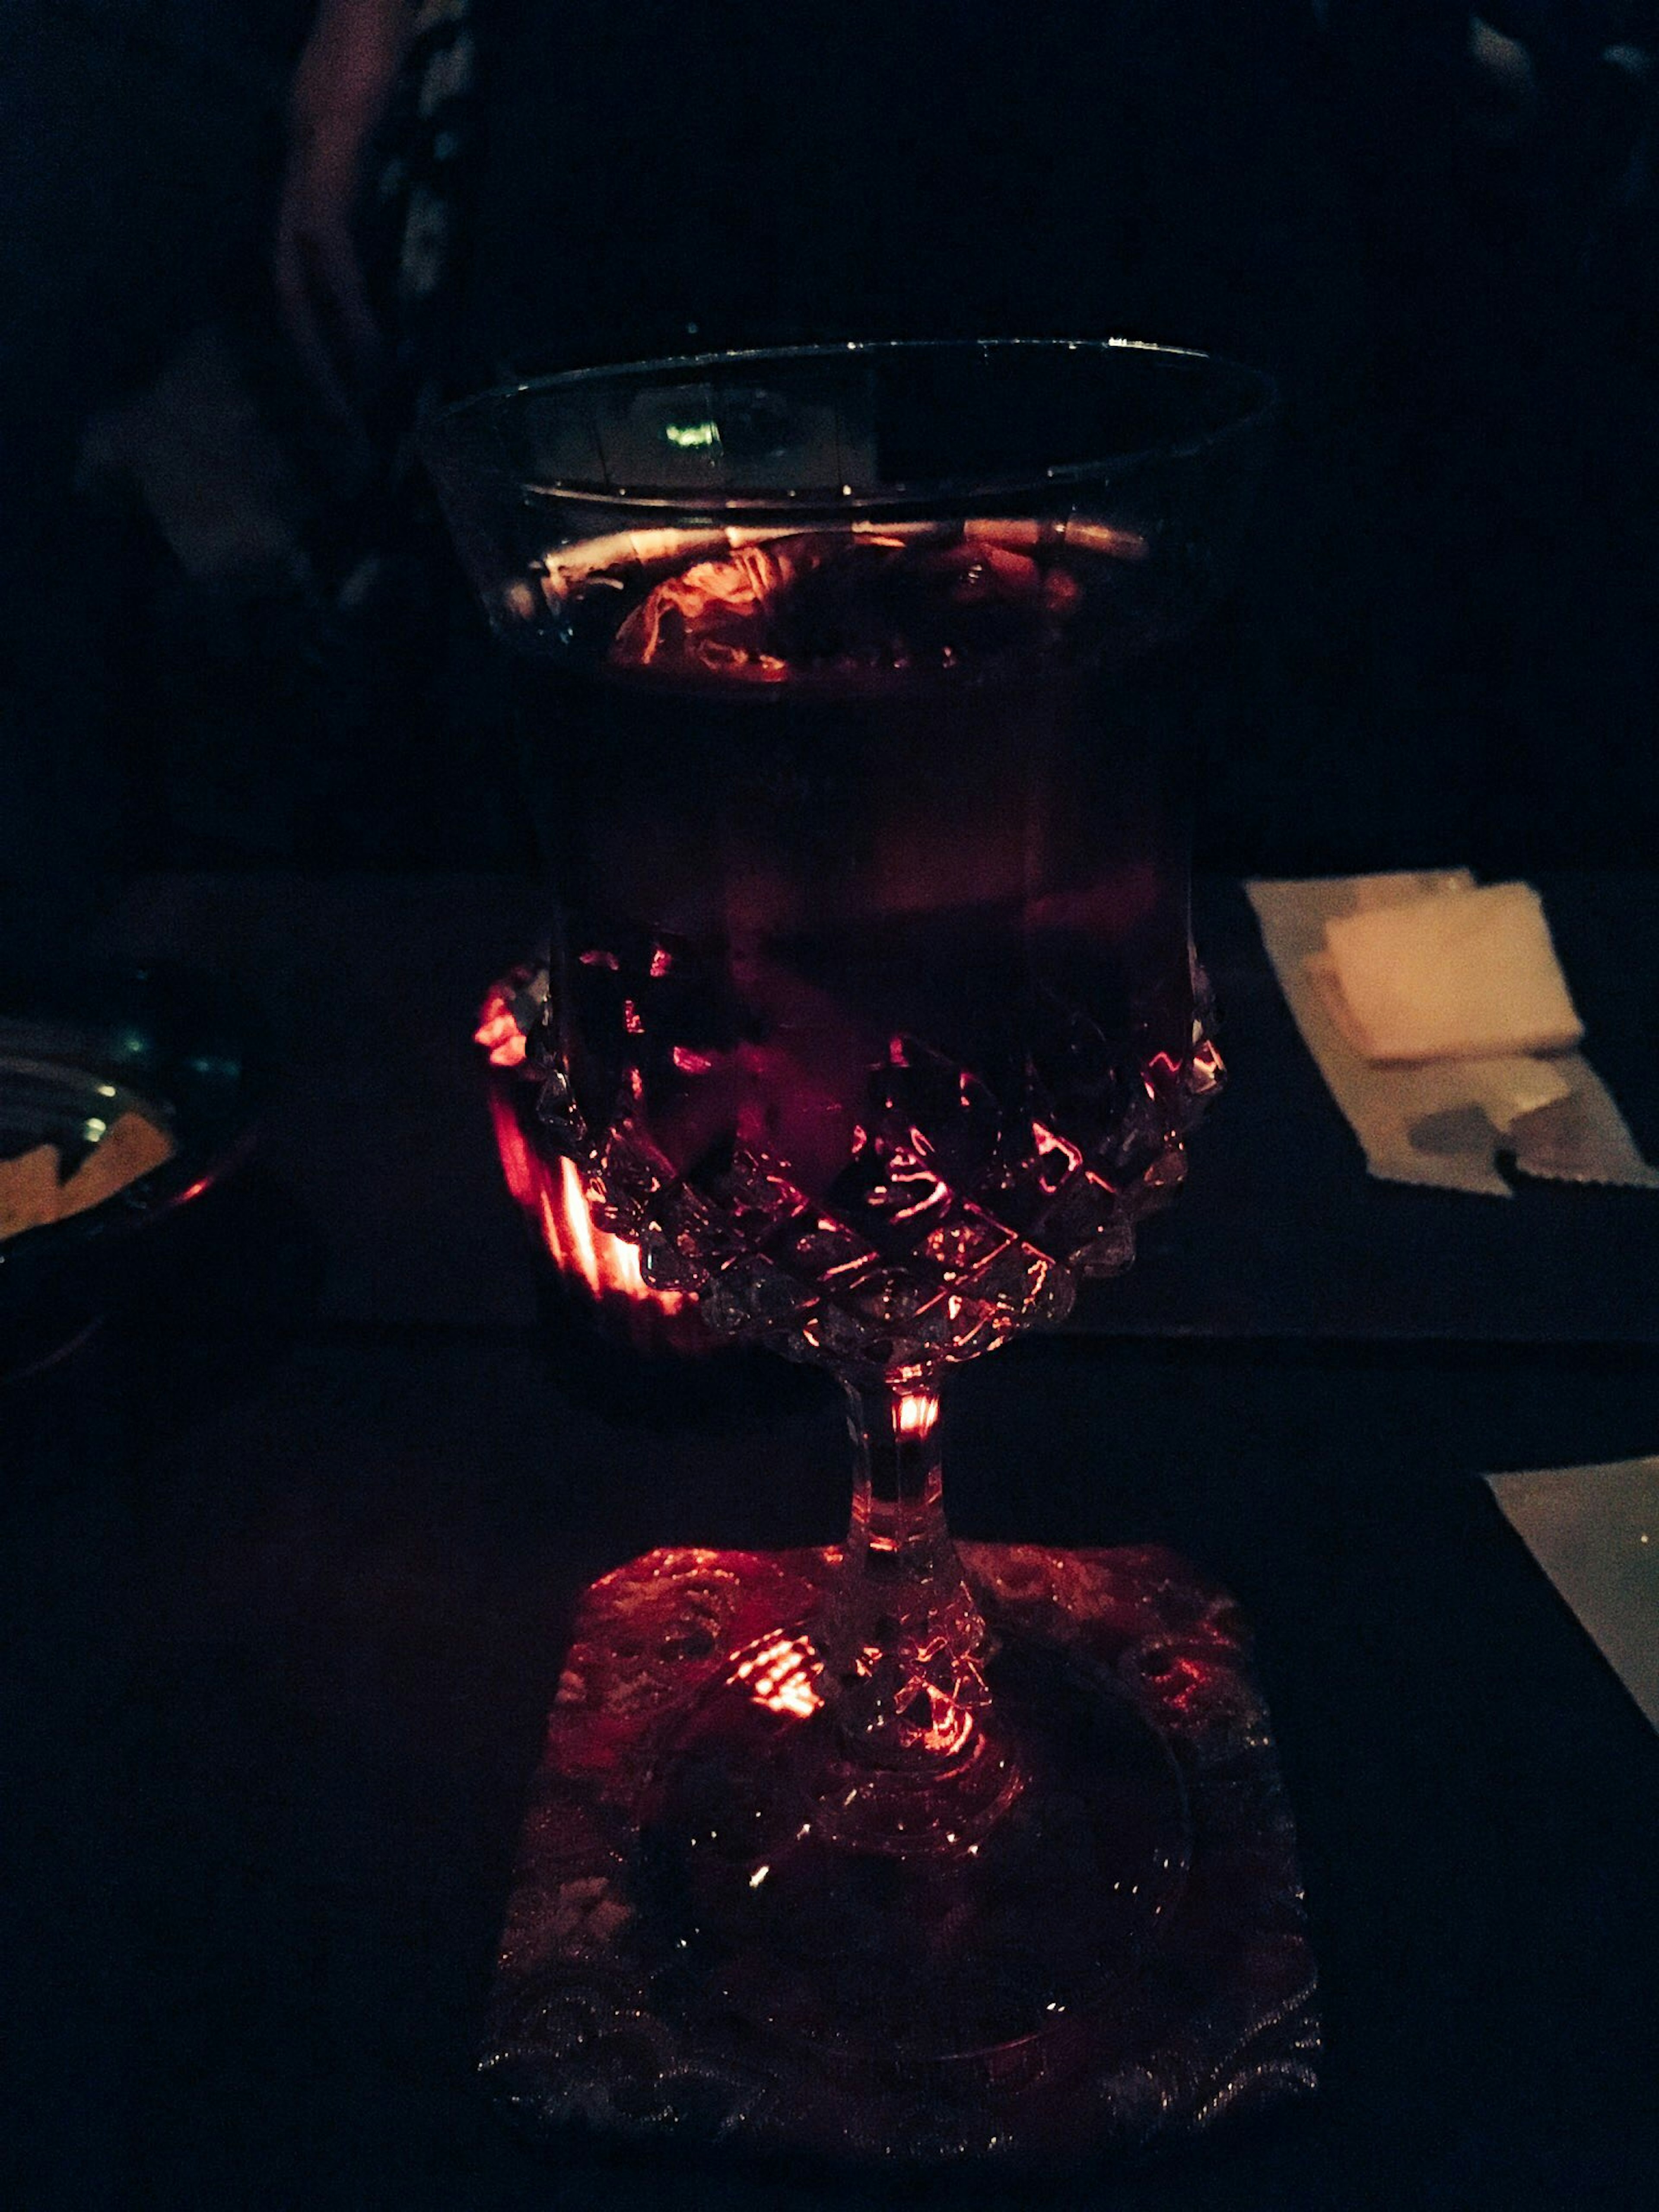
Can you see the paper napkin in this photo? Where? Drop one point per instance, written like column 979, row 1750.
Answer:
column 1594, row 1531
column 1444, row 1120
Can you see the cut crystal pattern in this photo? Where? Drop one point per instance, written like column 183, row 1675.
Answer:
column 954, row 1224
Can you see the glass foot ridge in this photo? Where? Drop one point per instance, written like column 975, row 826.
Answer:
column 639, row 2004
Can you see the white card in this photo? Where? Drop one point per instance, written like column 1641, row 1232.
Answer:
column 1594, row 1531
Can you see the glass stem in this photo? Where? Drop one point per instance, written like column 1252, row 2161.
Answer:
column 911, row 1641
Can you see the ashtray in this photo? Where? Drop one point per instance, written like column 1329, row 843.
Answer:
column 100, row 1058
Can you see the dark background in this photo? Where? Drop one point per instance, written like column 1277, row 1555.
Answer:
column 232, row 634
column 288, row 1549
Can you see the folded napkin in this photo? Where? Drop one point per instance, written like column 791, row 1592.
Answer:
column 1433, row 977
column 1438, row 1016
column 1594, row 1531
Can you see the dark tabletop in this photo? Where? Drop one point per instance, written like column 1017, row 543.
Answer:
column 291, row 1544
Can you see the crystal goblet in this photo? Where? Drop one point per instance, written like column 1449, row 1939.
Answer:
column 858, row 685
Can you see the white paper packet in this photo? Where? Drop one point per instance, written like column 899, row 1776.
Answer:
column 1441, row 1123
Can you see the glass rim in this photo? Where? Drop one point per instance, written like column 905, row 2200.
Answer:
column 1262, row 402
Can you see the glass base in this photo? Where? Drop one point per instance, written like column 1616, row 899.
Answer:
column 912, row 1919
column 884, row 2005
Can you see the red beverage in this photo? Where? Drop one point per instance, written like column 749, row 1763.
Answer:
column 872, row 1023
column 874, row 1013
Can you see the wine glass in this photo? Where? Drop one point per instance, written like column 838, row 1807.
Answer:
column 857, row 699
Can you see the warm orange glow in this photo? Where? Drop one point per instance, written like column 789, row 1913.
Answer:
column 951, row 1726
column 609, row 1266
column 781, row 1676
column 577, row 1224
column 551, row 1190
column 553, row 1232
column 918, row 1410
column 1061, row 1157
column 937, row 1721
column 596, row 1266
column 517, row 1164
column 499, row 1033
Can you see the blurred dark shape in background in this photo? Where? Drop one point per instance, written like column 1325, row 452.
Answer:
column 216, row 623
column 230, row 630
column 134, row 154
